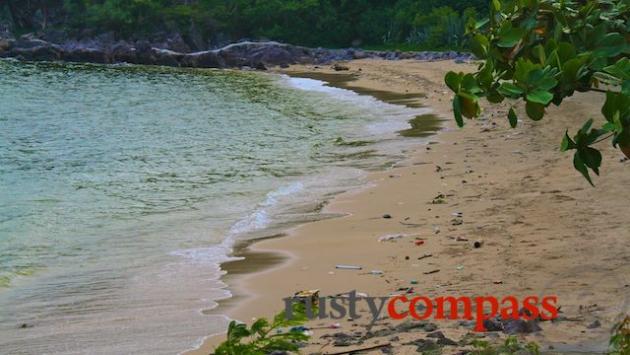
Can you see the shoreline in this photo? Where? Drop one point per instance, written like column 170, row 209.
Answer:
column 522, row 205
column 254, row 260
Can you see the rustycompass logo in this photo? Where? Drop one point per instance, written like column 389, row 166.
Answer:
column 399, row 307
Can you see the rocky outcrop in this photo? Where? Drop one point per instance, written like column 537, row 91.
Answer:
column 258, row 55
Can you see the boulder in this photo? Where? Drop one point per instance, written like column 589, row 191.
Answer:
column 205, row 59
column 44, row 52
column 89, row 55
column 122, row 52
column 166, row 57
column 359, row 54
column 6, row 44
column 273, row 55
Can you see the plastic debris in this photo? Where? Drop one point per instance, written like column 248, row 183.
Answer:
column 348, row 267
column 390, row 237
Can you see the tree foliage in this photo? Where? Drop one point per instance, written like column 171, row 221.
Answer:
column 426, row 24
column 542, row 51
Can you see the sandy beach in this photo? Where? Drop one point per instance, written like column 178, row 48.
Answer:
column 543, row 229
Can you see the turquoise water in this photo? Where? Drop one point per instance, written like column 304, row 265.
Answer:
column 123, row 187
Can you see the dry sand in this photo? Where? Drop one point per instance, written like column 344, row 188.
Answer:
column 545, row 230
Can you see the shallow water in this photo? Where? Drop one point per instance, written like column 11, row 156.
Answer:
column 123, row 187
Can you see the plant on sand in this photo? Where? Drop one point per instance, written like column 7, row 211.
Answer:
column 542, row 51
column 264, row 337
column 620, row 340
column 510, row 346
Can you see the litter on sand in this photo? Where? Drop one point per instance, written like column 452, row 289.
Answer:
column 307, row 296
column 348, row 267
column 390, row 237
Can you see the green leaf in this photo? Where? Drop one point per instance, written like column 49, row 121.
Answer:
column 592, row 158
column 523, row 69
column 237, row 331
column 494, row 96
column 496, row 4
column 579, row 165
column 453, row 80
column 535, row 111
column 481, row 23
column 567, row 143
column 510, row 37
column 539, row 79
column 510, row 90
column 611, row 45
column 512, row 118
column 457, row 110
column 566, row 51
column 479, row 45
column 469, row 105
column 539, row 96
column 259, row 326
column 617, row 105
column 469, row 84
column 620, row 70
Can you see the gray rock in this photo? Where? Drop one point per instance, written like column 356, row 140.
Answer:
column 595, row 324
column 89, row 55
column 437, row 334
column 46, row 52
column 493, row 325
column 520, row 326
column 122, row 52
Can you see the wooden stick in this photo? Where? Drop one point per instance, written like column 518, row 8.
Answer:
column 360, row 349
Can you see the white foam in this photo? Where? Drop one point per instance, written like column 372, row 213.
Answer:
column 257, row 220
column 392, row 118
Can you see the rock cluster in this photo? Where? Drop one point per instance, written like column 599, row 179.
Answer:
column 256, row 55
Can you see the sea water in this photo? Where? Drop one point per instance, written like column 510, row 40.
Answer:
column 122, row 189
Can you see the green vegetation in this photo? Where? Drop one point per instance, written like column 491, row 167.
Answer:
column 386, row 24
column 620, row 340
column 263, row 337
column 510, row 346
column 542, row 51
